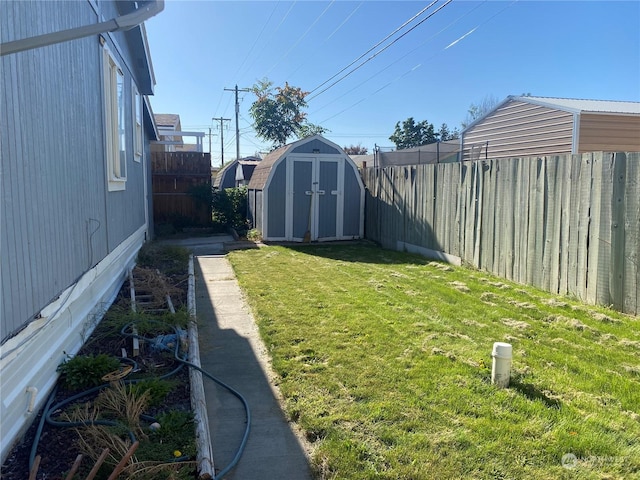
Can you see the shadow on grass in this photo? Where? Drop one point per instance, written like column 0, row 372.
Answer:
column 361, row 251
column 533, row 393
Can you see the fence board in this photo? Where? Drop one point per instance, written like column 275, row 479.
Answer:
column 584, row 206
column 174, row 176
column 617, row 270
column 632, row 235
column 600, row 235
column 565, row 224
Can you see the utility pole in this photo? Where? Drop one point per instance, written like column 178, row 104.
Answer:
column 221, row 136
column 236, row 89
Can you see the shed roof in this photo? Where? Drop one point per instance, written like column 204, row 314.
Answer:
column 261, row 173
column 245, row 162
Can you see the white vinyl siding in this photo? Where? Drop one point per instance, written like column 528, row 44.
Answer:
column 114, row 92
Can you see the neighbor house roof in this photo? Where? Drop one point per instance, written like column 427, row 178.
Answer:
column 167, row 119
column 575, row 105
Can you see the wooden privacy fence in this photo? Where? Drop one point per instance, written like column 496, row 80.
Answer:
column 568, row 224
column 176, row 177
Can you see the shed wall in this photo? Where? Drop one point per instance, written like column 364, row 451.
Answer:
column 316, row 146
column 276, row 202
column 609, row 132
column 519, row 129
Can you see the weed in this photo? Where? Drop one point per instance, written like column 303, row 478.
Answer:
column 155, row 388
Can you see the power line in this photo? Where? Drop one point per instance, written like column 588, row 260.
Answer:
column 377, row 44
column 382, row 49
column 327, row 39
column 264, row 45
column 402, row 57
column 430, row 58
column 302, row 37
column 255, row 42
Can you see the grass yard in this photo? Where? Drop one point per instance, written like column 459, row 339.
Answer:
column 384, row 361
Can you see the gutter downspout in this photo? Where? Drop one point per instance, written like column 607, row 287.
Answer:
column 124, row 22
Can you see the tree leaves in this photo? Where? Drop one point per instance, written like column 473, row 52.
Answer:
column 278, row 113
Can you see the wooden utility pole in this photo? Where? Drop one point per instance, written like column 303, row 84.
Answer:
column 236, row 89
column 221, row 137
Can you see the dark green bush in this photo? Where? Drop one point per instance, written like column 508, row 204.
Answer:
column 86, row 371
column 230, row 208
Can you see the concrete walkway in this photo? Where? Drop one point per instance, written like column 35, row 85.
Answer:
column 232, row 351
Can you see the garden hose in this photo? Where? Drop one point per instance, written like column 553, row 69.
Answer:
column 234, row 392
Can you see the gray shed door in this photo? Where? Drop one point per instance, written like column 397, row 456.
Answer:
column 302, row 197
column 317, row 184
column 327, row 195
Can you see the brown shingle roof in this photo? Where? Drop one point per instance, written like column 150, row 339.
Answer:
column 261, row 173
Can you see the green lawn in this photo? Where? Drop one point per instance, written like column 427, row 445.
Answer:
column 384, row 361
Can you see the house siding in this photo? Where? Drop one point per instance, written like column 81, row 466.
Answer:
column 520, row 129
column 609, row 133
column 58, row 220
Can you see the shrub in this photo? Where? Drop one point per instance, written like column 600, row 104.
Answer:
column 230, row 208
column 86, row 371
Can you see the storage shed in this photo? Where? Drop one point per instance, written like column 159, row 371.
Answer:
column 236, row 173
column 309, row 185
column 533, row 126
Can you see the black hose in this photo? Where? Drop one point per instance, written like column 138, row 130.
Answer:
column 237, row 394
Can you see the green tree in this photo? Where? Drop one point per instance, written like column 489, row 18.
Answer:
column 413, row 134
column 278, row 113
column 445, row 134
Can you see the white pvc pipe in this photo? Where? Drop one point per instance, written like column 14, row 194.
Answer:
column 501, row 368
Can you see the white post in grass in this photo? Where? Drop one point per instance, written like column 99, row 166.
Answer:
column 501, row 368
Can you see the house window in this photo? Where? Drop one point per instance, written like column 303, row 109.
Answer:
column 137, row 123
column 114, row 123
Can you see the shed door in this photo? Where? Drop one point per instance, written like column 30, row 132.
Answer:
column 315, row 198
column 327, row 195
column 302, row 193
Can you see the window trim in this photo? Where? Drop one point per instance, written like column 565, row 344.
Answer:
column 115, row 123
column 136, row 100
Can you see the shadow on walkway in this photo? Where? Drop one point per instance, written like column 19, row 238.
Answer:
column 232, row 351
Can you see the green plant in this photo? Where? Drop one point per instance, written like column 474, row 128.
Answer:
column 230, row 207
column 254, row 235
column 86, row 371
column 176, row 432
column 156, row 389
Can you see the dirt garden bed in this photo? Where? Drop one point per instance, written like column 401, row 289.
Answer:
column 146, row 398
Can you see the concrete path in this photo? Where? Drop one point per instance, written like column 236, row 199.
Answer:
column 232, row 351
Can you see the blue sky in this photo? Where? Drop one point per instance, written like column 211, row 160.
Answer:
column 572, row 49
